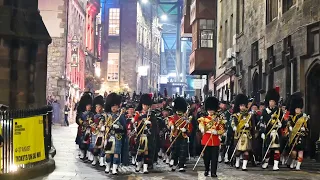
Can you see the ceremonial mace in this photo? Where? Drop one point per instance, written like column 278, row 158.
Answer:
column 204, row 148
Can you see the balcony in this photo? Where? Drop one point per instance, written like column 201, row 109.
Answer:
column 202, row 61
column 203, row 9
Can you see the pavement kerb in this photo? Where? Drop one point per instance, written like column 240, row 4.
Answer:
column 34, row 172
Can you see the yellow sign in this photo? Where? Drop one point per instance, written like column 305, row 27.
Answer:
column 28, row 140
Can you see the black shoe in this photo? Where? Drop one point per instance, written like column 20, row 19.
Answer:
column 244, row 169
column 206, row 173
column 214, row 175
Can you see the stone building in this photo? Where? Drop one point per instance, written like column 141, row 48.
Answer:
column 72, row 54
column 279, row 46
column 24, row 42
column 54, row 15
column 226, row 48
column 131, row 57
column 199, row 19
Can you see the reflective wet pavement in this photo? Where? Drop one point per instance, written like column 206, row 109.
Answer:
column 70, row 167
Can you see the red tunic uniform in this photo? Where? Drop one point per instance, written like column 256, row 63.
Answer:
column 179, row 123
column 205, row 125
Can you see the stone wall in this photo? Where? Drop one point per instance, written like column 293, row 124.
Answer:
column 23, row 54
column 148, row 46
column 293, row 22
column 54, row 16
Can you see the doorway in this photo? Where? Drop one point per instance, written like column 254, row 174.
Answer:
column 255, row 87
column 313, row 104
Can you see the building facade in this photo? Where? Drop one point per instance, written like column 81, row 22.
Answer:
column 72, row 54
column 226, row 49
column 278, row 46
column 200, row 20
column 23, row 55
column 131, row 60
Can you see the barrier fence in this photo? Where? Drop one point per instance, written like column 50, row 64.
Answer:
column 27, row 138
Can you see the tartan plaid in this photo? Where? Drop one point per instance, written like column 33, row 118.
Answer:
column 117, row 146
column 92, row 141
column 180, row 150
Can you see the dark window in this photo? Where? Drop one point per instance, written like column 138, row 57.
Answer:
column 287, row 50
column 272, row 10
column 240, row 16
column 314, row 39
column 206, row 33
column 254, row 53
column 287, row 4
column 225, row 35
column 295, row 75
column 270, row 65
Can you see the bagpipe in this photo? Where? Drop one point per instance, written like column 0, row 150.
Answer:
column 183, row 119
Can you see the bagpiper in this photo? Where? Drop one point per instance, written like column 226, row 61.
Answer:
column 180, row 130
column 115, row 128
column 225, row 114
column 243, row 127
column 84, row 118
column 143, row 132
column 271, row 123
column 98, row 131
column 298, row 127
column 128, row 145
column 211, row 126
column 164, row 134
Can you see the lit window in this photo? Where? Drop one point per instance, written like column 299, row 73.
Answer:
column 113, row 67
column 206, row 33
column 114, row 21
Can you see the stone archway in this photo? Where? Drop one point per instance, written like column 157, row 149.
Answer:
column 312, row 105
column 255, row 86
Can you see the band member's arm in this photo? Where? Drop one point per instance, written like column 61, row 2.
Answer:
column 304, row 127
column 234, row 122
column 290, row 123
column 201, row 125
column 136, row 116
column 171, row 123
column 78, row 119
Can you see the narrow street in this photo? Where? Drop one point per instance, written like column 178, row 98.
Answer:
column 70, row 167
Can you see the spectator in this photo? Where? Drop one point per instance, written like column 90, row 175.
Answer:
column 66, row 112
column 165, row 92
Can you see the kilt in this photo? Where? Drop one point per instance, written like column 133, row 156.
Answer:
column 300, row 145
column 92, row 142
column 114, row 145
column 143, row 143
column 275, row 139
column 180, row 148
column 245, row 143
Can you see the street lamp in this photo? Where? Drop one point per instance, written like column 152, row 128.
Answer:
column 143, row 70
column 164, row 17
column 144, row 1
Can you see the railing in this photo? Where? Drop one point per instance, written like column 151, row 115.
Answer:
column 27, row 138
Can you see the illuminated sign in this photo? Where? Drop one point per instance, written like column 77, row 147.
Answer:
column 99, row 41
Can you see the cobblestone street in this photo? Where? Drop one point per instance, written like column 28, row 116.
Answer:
column 70, row 167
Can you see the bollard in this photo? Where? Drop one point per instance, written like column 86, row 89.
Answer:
column 318, row 150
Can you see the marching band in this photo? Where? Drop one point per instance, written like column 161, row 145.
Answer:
column 115, row 131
